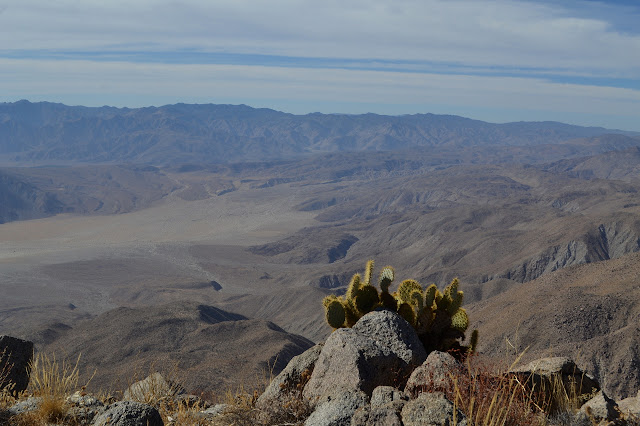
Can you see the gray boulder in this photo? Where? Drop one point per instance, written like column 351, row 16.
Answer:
column 546, row 374
column 15, row 360
column 598, row 409
column 391, row 330
column 381, row 415
column 380, row 350
column 631, row 406
column 337, row 410
column 129, row 413
column 30, row 404
column 153, row 388
column 433, row 375
column 385, row 394
column 432, row 409
column 384, row 409
column 83, row 408
column 295, row 374
column 216, row 410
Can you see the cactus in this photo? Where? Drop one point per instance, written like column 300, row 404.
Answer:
column 438, row 317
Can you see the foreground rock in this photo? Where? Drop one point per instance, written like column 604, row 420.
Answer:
column 433, row 374
column 154, row 387
column 129, row 413
column 547, row 374
column 337, row 410
column 432, row 409
column 380, row 350
column 15, row 363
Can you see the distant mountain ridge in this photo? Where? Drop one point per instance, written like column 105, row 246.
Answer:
column 181, row 133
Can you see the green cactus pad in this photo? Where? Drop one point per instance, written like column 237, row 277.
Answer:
column 354, row 286
column 335, row 314
column 388, row 301
column 473, row 341
column 456, row 302
column 386, row 278
column 430, row 295
column 441, row 321
column 406, row 311
column 417, row 301
column 406, row 289
column 351, row 314
column 460, row 320
column 368, row 272
column 451, row 290
column 424, row 320
column 366, row 299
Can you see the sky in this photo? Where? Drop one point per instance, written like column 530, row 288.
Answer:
column 574, row 61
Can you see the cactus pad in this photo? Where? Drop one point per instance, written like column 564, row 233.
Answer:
column 366, row 299
column 406, row 289
column 460, row 321
column 386, row 278
column 335, row 314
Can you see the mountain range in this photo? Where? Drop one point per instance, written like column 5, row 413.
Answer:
column 174, row 134
column 107, row 214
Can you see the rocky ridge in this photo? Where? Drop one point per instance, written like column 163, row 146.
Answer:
column 358, row 378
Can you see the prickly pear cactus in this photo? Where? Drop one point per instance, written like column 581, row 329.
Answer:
column 438, row 317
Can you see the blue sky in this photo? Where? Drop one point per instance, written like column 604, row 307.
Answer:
column 575, row 61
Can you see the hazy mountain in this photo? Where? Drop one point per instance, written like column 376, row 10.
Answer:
column 20, row 200
column 46, row 132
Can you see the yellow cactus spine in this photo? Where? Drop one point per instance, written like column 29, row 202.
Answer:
column 368, row 272
column 430, row 295
column 417, row 301
column 354, row 286
column 366, row 299
column 406, row 311
column 473, row 342
column 460, row 321
column 335, row 313
column 406, row 289
column 438, row 317
column 386, row 278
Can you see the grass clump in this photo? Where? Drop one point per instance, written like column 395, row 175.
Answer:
column 51, row 382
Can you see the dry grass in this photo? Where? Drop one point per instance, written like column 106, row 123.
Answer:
column 489, row 395
column 242, row 409
column 51, row 381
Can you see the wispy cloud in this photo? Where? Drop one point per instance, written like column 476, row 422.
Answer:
column 580, row 57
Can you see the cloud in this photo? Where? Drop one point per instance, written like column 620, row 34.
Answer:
column 488, row 33
column 369, row 88
column 544, row 57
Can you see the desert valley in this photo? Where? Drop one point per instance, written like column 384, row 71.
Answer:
column 126, row 235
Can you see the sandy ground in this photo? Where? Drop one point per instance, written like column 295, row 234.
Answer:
column 98, row 262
